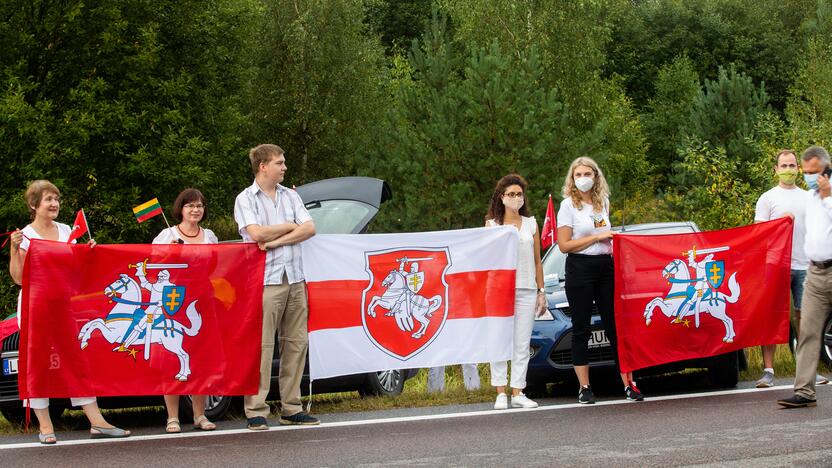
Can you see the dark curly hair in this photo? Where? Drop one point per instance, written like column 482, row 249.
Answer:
column 497, row 211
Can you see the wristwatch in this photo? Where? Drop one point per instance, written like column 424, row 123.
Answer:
column 541, row 290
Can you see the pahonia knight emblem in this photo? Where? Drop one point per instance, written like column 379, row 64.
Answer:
column 694, row 290
column 406, row 302
column 134, row 322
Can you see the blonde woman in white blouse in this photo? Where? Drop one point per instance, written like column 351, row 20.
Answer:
column 189, row 209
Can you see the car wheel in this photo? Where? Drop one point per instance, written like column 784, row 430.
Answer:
column 826, row 345
column 216, row 406
column 383, row 383
column 724, row 371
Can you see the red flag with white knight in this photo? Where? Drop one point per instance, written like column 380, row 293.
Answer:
column 79, row 227
column 685, row 296
column 145, row 319
column 549, row 234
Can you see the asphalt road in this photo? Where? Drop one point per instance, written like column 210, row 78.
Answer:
column 742, row 427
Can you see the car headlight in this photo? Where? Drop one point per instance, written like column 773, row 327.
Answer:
column 546, row 316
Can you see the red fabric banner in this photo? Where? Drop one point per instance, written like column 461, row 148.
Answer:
column 86, row 313
column 685, row 296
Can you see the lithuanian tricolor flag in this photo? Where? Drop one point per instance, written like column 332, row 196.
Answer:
column 147, row 210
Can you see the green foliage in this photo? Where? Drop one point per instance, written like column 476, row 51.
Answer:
column 810, row 105
column 726, row 112
column 397, row 22
column 715, row 198
column 570, row 38
column 318, row 87
column 117, row 103
column 463, row 122
column 761, row 38
column 668, row 112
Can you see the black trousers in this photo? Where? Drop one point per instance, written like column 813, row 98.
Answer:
column 590, row 278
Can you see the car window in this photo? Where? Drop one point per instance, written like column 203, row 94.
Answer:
column 554, row 263
column 338, row 216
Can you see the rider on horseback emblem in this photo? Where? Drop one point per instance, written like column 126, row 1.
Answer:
column 698, row 287
column 132, row 321
column 412, row 291
column 692, row 296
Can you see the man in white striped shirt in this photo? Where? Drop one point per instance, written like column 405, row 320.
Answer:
column 274, row 217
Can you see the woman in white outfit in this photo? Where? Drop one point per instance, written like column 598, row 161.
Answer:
column 44, row 202
column 189, row 208
column 508, row 208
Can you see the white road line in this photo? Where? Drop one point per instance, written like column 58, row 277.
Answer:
column 365, row 422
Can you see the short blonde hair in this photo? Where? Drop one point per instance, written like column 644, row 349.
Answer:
column 600, row 191
column 261, row 154
column 34, row 194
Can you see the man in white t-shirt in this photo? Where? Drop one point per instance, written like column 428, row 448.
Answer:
column 786, row 199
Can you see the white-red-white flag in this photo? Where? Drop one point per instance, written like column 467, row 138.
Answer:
column 395, row 301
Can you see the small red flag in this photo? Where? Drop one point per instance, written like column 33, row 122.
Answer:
column 549, row 234
column 79, row 227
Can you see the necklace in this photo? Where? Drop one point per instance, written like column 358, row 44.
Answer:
column 198, row 229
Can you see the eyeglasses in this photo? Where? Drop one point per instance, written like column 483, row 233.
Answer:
column 195, row 206
column 513, row 194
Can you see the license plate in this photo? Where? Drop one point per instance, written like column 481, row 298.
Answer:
column 598, row 338
column 10, row 366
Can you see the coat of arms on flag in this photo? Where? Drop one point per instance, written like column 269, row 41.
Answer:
column 133, row 322
column 408, row 286
column 692, row 295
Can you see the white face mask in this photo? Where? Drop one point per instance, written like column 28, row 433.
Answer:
column 584, row 183
column 513, row 203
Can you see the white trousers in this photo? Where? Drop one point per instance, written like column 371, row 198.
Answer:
column 43, row 403
column 524, row 302
column 436, row 378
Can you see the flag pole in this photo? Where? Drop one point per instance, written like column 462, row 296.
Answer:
column 89, row 231
column 165, row 218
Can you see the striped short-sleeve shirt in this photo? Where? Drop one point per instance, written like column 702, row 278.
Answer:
column 253, row 206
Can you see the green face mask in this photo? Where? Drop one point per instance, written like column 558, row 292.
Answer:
column 787, row 176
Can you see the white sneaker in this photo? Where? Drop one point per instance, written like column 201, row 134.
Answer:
column 502, row 401
column 522, row 401
column 821, row 380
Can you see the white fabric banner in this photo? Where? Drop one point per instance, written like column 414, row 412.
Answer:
column 412, row 300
